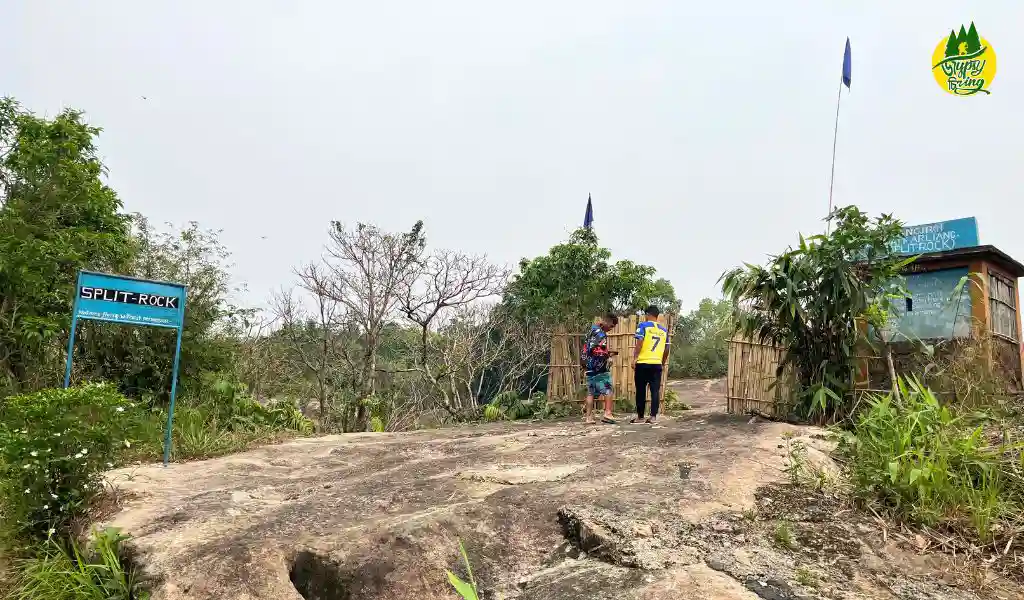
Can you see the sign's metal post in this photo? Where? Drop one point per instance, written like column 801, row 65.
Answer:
column 170, row 409
column 131, row 301
column 71, row 350
column 71, row 336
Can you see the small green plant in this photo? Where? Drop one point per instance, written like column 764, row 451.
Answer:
column 671, row 402
column 749, row 514
column 493, row 412
column 796, row 459
column 624, row 404
column 783, row 536
column 54, row 446
column 820, row 479
column 198, row 434
column 466, row 590
column 806, row 577
column 285, row 414
column 381, row 409
column 509, row 405
column 554, row 410
column 65, row 571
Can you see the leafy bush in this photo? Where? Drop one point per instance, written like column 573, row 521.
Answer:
column 212, row 428
column 783, row 536
column 54, row 446
column 98, row 572
column 930, row 465
column 807, row 300
column 229, row 401
column 510, row 405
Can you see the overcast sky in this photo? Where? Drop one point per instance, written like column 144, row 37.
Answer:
column 703, row 130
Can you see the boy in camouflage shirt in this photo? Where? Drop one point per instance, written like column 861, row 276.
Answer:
column 594, row 359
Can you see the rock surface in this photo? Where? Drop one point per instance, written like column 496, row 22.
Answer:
column 546, row 511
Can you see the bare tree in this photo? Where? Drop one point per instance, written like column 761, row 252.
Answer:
column 478, row 351
column 257, row 359
column 367, row 271
column 314, row 335
column 441, row 300
column 516, row 349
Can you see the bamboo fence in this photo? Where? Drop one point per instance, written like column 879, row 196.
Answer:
column 565, row 375
column 752, row 381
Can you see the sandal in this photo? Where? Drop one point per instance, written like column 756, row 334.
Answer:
column 607, row 421
column 635, row 421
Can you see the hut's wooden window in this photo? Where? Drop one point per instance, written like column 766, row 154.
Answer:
column 1003, row 304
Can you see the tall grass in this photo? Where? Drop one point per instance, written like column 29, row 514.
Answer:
column 933, row 465
column 66, row 571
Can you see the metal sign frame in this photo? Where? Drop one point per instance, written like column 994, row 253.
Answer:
column 130, row 301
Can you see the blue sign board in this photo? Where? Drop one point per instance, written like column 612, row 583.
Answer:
column 935, row 311
column 938, row 237
column 127, row 300
column 120, row 299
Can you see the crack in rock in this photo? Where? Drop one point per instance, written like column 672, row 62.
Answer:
column 624, row 541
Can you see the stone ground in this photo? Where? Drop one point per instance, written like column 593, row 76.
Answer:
column 694, row 509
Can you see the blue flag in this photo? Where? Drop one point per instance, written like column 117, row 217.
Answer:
column 588, row 219
column 847, row 66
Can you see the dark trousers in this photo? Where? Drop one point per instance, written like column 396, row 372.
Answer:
column 644, row 376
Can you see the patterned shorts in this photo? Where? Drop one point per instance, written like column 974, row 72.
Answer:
column 600, row 384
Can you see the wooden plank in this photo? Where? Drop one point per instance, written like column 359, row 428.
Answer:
column 751, row 379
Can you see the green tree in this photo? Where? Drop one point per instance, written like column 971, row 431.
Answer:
column 575, row 281
column 56, row 217
column 973, row 40
column 807, row 300
column 951, row 45
column 139, row 359
column 700, row 347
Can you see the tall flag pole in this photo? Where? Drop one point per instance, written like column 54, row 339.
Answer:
column 588, row 218
column 847, row 72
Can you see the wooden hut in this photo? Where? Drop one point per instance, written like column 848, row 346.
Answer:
column 959, row 290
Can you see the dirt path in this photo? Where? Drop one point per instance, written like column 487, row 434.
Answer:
column 708, row 394
column 546, row 510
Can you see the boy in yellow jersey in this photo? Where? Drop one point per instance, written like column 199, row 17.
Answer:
column 649, row 358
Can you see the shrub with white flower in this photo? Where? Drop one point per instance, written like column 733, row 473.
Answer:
column 54, row 446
